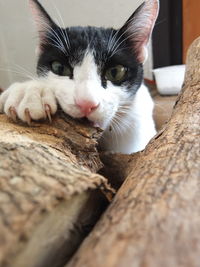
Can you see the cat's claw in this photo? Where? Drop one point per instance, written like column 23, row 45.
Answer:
column 28, row 116
column 48, row 112
column 13, row 114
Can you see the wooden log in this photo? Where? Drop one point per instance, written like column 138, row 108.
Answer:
column 154, row 219
column 50, row 194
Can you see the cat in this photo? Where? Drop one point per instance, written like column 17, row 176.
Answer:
column 91, row 72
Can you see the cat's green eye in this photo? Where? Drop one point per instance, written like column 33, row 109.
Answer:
column 116, row 74
column 60, row 69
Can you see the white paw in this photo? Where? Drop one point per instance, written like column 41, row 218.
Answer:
column 30, row 100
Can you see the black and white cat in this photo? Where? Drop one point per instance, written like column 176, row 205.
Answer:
column 91, row 72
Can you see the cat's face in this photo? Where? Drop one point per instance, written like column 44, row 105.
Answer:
column 95, row 76
column 99, row 70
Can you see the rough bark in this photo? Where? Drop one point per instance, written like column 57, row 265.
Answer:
column 50, row 193
column 154, row 219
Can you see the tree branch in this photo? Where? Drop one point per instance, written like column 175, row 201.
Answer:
column 50, row 194
column 154, row 219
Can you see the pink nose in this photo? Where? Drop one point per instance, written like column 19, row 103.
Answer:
column 86, row 107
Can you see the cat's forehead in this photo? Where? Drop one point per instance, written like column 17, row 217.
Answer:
column 92, row 36
column 76, row 41
column 94, row 39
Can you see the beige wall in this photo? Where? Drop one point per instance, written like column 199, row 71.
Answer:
column 18, row 38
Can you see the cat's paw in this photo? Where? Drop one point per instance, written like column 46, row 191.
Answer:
column 30, row 100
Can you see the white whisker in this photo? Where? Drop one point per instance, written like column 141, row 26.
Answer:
column 126, row 123
column 115, row 131
column 116, row 124
column 53, row 36
column 61, row 28
column 25, row 71
column 113, row 40
column 19, row 73
column 116, row 42
column 109, row 41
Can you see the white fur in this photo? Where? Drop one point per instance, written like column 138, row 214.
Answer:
column 128, row 133
column 137, row 126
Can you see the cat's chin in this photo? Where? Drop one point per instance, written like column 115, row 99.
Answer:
column 96, row 125
column 92, row 123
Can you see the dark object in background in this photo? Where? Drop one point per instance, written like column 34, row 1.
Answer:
column 167, row 35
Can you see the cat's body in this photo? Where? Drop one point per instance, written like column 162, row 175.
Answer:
column 94, row 73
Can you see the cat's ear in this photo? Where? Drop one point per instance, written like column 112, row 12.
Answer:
column 139, row 26
column 42, row 19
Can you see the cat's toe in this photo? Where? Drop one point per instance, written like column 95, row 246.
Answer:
column 13, row 113
column 27, row 116
column 49, row 102
column 48, row 112
column 31, row 111
column 12, row 98
column 3, row 99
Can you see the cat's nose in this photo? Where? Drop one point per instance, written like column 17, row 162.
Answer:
column 86, row 106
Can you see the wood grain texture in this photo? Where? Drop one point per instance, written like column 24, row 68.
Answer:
column 49, row 191
column 154, row 219
column 191, row 23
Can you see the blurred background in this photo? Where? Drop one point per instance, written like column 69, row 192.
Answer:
column 177, row 26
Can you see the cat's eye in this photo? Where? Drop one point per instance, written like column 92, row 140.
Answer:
column 60, row 69
column 116, row 74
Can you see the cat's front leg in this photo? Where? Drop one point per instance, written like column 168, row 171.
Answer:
column 31, row 100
